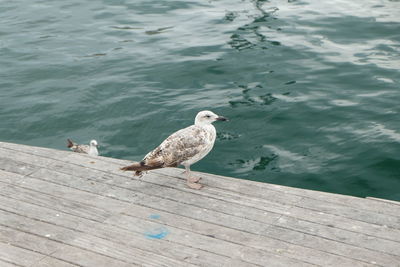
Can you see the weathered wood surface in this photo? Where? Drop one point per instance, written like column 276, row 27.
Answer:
column 65, row 209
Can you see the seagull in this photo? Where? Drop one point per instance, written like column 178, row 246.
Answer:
column 184, row 147
column 90, row 149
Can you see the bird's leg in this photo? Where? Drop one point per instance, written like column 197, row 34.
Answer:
column 191, row 178
column 139, row 174
column 192, row 181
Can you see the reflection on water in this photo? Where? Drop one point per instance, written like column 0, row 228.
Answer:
column 227, row 135
column 369, row 133
column 251, row 34
column 249, row 99
column 158, row 31
column 311, row 87
column 259, row 164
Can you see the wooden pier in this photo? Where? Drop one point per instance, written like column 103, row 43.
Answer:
column 59, row 208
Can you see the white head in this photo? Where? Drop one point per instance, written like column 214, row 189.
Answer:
column 93, row 148
column 93, row 143
column 206, row 117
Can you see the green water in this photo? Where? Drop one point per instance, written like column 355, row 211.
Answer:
column 311, row 87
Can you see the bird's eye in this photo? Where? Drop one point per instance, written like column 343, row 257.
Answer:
column 208, row 116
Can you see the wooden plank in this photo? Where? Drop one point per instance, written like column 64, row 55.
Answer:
column 29, row 242
column 9, row 178
column 63, row 219
column 390, row 220
column 18, row 256
column 227, row 182
column 101, row 195
column 86, row 258
column 233, row 185
column 302, row 213
column 15, row 167
column 354, row 226
column 27, row 193
column 371, row 229
column 140, row 189
column 232, row 235
column 25, row 159
column 12, row 219
column 303, row 238
column 8, row 264
column 94, row 228
column 290, row 196
column 52, row 262
column 43, row 246
column 34, row 150
column 108, row 232
column 270, row 205
column 288, row 236
column 265, row 190
column 345, row 223
column 189, row 238
column 72, row 156
column 103, row 247
column 161, row 177
column 348, row 237
column 380, row 219
column 215, row 232
column 283, row 234
column 105, row 166
column 390, row 202
column 158, row 239
column 340, row 234
column 125, row 195
column 180, row 250
column 122, row 252
column 51, row 233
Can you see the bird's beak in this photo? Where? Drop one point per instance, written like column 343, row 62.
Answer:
column 220, row 118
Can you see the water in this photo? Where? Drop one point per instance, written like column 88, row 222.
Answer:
column 311, row 87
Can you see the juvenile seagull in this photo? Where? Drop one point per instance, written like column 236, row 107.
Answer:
column 184, row 147
column 90, row 149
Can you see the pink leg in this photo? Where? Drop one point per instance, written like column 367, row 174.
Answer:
column 192, row 181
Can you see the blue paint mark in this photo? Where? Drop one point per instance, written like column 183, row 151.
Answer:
column 158, row 233
column 154, row 216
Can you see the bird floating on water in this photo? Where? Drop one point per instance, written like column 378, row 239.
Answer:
column 184, row 147
column 90, row 149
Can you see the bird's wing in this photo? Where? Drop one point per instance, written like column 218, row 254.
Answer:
column 178, row 147
column 81, row 149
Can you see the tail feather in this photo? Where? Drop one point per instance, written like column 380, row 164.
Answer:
column 70, row 143
column 134, row 167
column 139, row 167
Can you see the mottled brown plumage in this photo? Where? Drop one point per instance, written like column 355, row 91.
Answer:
column 183, row 147
column 179, row 147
